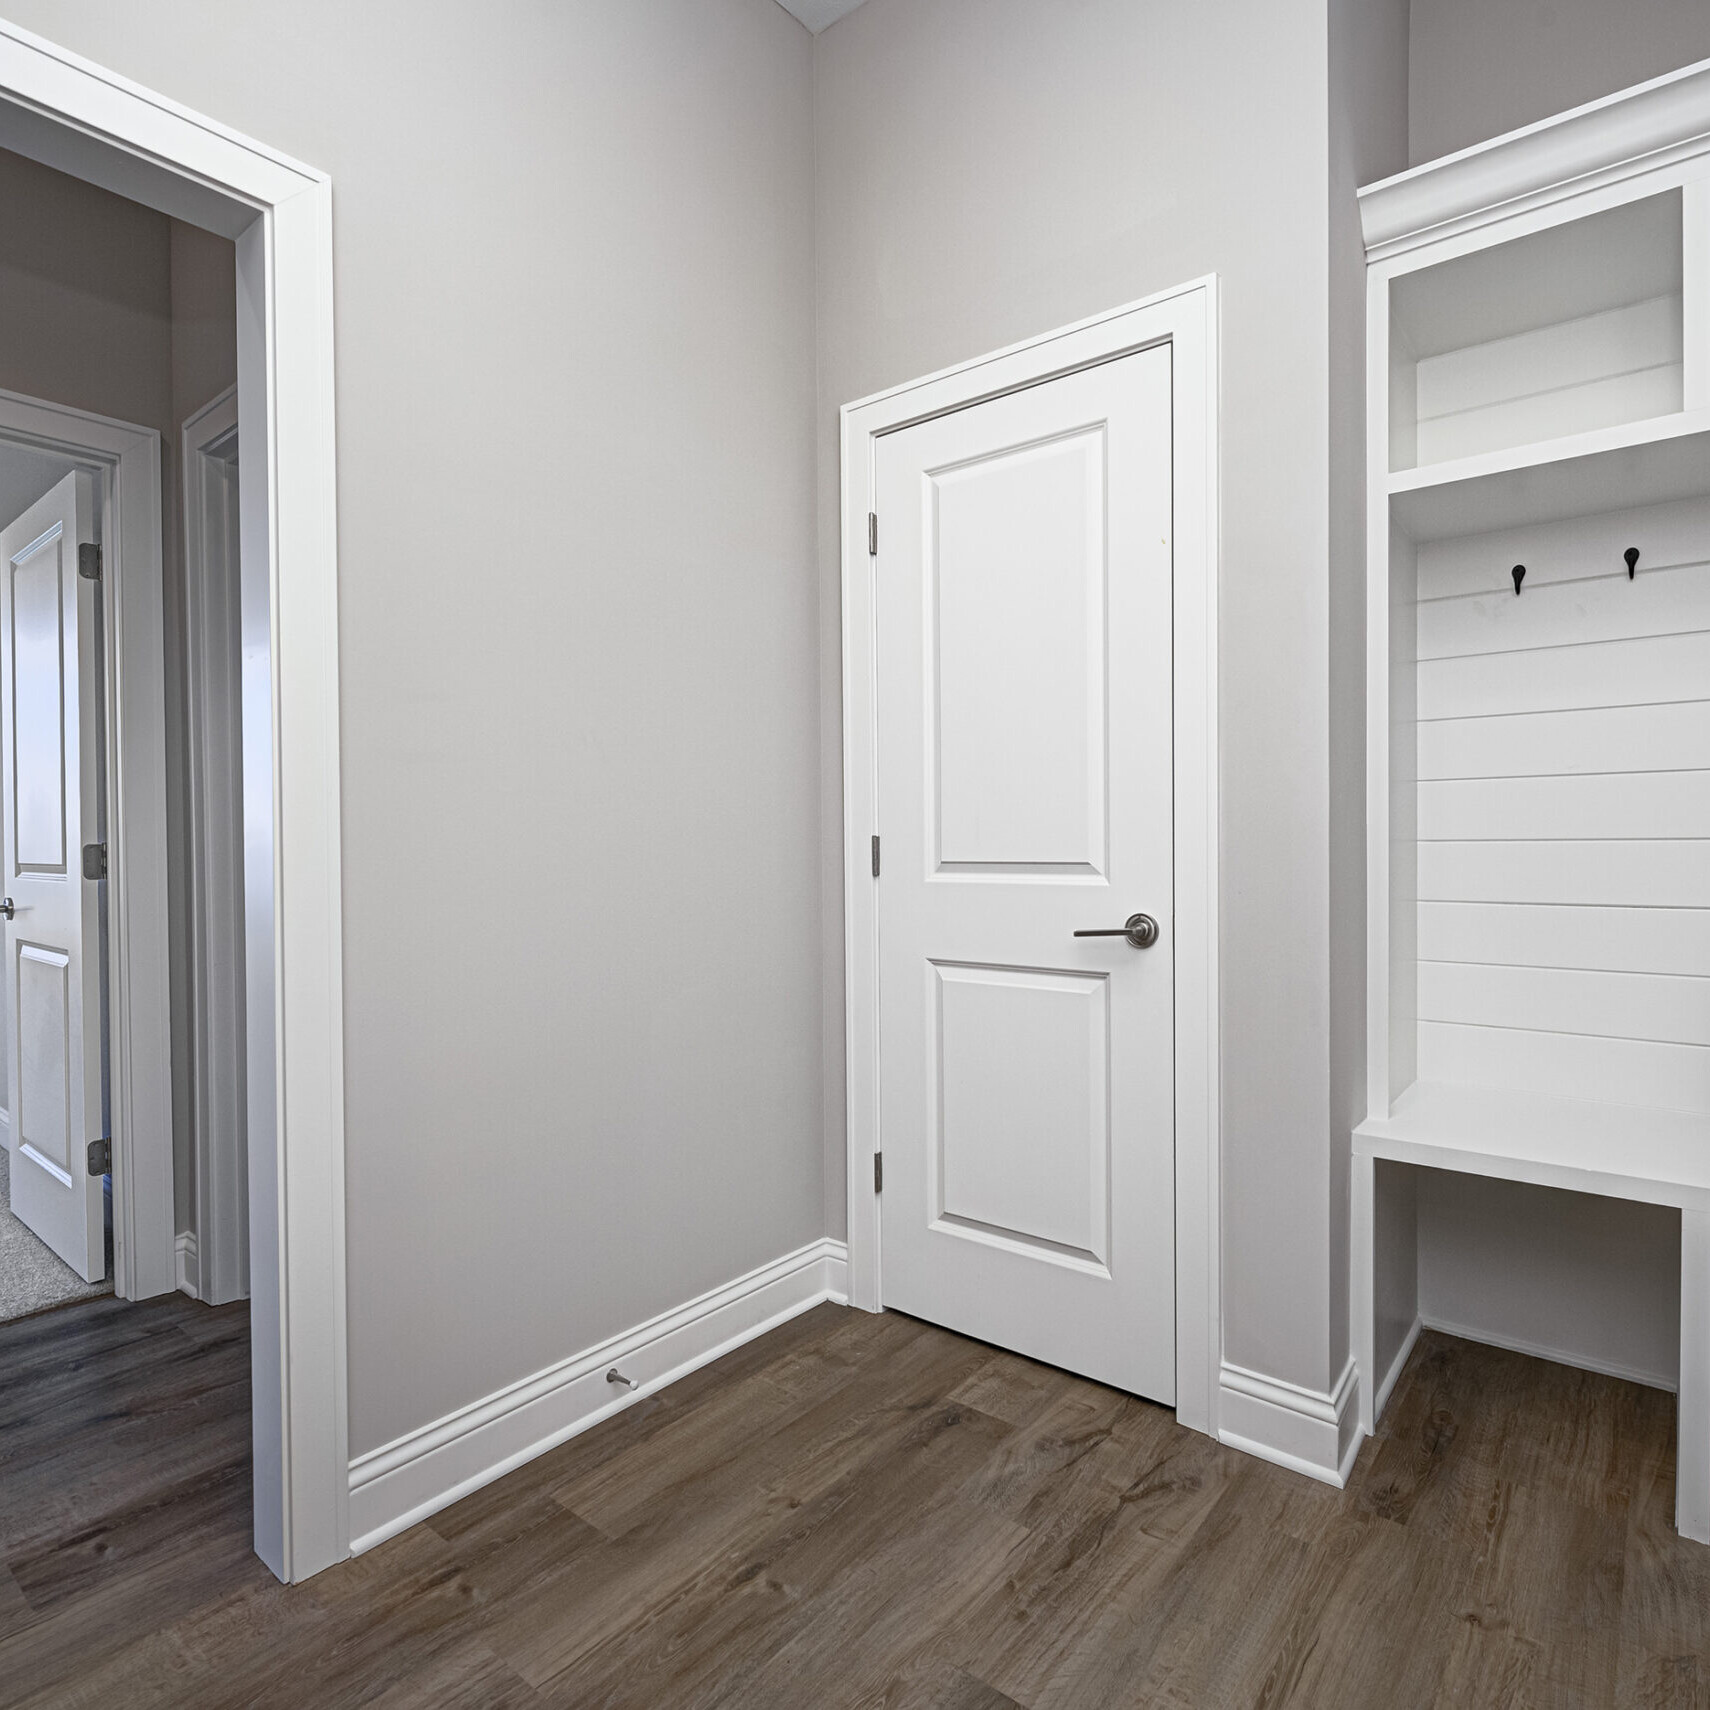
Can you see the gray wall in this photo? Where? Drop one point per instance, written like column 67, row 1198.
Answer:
column 1482, row 67
column 987, row 170
column 573, row 254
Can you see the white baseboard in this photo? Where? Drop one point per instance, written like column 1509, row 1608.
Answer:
column 406, row 1480
column 1561, row 1356
column 189, row 1266
column 1396, row 1367
column 1308, row 1431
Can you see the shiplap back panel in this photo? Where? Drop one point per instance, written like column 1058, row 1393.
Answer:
column 1621, row 365
column 1563, row 805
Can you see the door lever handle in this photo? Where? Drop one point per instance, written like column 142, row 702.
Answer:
column 1141, row 930
column 8, row 908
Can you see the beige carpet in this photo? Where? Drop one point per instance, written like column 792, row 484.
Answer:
column 31, row 1276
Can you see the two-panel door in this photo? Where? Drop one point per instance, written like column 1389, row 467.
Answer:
column 50, row 740
column 1023, row 585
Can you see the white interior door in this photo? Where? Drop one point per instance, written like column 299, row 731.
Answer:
column 1025, row 794
column 50, row 728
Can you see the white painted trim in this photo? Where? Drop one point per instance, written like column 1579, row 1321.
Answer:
column 1396, row 1367
column 1540, row 1351
column 1187, row 318
column 189, row 1269
column 1637, row 130
column 1692, row 1404
column 417, row 1475
column 125, row 461
column 77, row 117
column 1306, row 1430
column 214, row 712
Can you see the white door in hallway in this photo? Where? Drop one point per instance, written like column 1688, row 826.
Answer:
column 50, row 729
column 1025, row 795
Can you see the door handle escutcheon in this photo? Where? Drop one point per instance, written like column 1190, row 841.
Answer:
column 1141, row 930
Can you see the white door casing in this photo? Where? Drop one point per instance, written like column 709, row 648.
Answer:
column 1184, row 318
column 1024, row 756
column 213, row 683
column 50, row 769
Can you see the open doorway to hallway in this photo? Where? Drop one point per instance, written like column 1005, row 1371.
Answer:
column 121, row 1003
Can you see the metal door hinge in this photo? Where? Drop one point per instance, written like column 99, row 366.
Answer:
column 873, row 533
column 875, row 855
column 89, row 562
column 94, row 860
column 878, row 1172
column 100, row 1157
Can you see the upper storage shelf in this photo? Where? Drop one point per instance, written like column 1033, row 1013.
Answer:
column 1605, row 469
column 1571, row 329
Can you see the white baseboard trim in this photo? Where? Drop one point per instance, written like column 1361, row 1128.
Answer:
column 1561, row 1356
column 1306, row 1430
column 1396, row 1367
column 418, row 1474
column 189, row 1267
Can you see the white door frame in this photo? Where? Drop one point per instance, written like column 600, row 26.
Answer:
column 125, row 461
column 75, row 116
column 213, row 1263
column 1186, row 318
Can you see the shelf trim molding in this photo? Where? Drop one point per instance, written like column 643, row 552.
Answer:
column 1636, row 130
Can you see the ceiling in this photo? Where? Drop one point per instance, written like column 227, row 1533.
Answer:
column 816, row 14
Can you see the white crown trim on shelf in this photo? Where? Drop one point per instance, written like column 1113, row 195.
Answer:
column 1603, row 142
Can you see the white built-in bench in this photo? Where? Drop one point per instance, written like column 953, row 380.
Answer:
column 1538, row 703
column 1622, row 1151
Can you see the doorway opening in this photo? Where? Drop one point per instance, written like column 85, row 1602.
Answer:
column 99, row 130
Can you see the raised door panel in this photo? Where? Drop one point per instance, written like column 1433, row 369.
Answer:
column 1016, row 585
column 46, row 1051
column 1020, row 1089
column 37, row 668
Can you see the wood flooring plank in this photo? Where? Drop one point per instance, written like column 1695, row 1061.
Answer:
column 466, row 1677
column 15, row 1610
column 197, row 1526
column 859, row 1511
column 724, row 1513
column 1541, row 1618
column 1664, row 1657
column 715, row 1639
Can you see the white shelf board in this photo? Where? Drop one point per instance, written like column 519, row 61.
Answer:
column 1638, row 463
column 1624, row 1151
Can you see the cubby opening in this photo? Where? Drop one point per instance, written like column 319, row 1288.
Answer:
column 1550, row 809
column 1569, row 329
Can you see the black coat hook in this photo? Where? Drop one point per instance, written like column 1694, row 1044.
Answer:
column 1519, row 575
column 1632, row 557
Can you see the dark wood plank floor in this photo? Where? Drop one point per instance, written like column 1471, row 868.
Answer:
column 856, row 1511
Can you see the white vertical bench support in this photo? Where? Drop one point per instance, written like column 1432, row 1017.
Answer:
column 1362, row 1286
column 1692, row 1425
